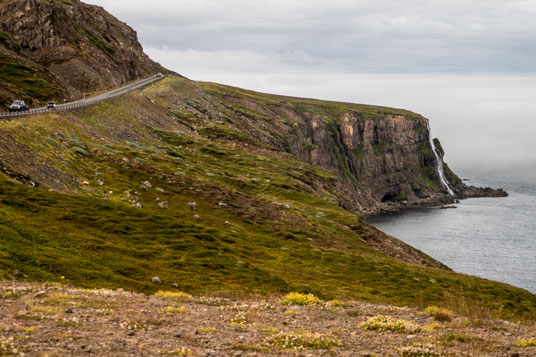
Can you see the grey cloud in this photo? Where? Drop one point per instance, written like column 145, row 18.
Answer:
column 365, row 36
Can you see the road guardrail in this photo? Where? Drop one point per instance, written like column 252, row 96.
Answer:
column 86, row 102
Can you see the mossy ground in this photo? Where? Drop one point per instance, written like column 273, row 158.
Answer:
column 328, row 109
column 267, row 223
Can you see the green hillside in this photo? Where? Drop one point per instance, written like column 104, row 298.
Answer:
column 113, row 209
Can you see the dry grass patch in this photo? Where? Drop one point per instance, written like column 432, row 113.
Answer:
column 62, row 299
column 269, row 331
column 29, row 330
column 249, row 348
column 438, row 313
column 173, row 309
column 175, row 295
column 382, row 323
column 44, row 309
column 304, row 339
column 526, row 343
column 338, row 303
column 300, row 299
column 420, row 350
column 431, row 327
column 205, row 329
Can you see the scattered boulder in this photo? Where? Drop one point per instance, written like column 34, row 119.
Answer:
column 40, row 294
column 163, row 204
column 226, row 223
column 156, row 280
column 192, row 205
column 147, row 184
column 222, row 204
column 196, row 216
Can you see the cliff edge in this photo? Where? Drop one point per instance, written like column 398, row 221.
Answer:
column 384, row 157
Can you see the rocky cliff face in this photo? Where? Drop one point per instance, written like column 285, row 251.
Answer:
column 52, row 49
column 390, row 155
column 383, row 156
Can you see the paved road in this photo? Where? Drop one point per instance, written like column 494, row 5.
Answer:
column 89, row 101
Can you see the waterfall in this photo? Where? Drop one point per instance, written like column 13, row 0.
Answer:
column 439, row 164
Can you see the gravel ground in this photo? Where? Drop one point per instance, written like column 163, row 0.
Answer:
column 55, row 320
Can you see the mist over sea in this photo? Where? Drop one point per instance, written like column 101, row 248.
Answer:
column 493, row 238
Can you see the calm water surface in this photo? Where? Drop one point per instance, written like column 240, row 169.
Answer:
column 494, row 238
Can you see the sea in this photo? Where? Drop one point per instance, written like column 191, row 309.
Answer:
column 493, row 238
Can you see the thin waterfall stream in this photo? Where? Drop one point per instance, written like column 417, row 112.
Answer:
column 439, row 165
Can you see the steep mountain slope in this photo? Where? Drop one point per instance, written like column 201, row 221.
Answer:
column 114, row 206
column 51, row 49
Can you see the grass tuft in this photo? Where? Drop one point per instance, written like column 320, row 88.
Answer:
column 205, row 329
column 526, row 343
column 438, row 313
column 420, row 350
column 338, row 303
column 304, row 339
column 175, row 295
column 382, row 323
column 173, row 309
column 300, row 299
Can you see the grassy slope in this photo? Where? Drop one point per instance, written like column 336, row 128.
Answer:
column 329, row 109
column 94, row 237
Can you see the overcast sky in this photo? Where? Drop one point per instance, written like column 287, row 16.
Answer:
column 467, row 65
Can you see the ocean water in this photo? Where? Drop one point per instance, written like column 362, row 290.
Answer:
column 493, row 238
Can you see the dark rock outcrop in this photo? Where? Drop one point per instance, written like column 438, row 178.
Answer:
column 390, row 155
column 65, row 49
